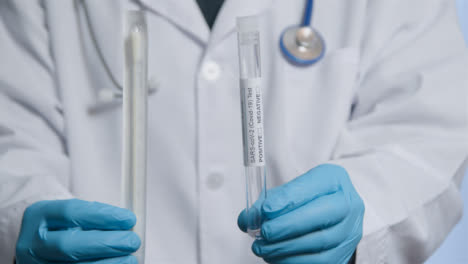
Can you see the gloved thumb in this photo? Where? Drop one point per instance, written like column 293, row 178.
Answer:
column 242, row 221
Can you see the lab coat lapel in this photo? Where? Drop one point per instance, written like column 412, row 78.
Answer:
column 105, row 18
column 185, row 14
column 226, row 19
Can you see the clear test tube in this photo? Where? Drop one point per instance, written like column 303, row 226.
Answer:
column 252, row 120
column 135, row 99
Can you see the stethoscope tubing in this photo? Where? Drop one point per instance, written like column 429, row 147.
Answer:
column 307, row 21
column 99, row 51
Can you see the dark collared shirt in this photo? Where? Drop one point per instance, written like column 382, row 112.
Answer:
column 210, row 10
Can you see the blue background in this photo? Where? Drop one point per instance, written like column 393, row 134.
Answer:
column 455, row 248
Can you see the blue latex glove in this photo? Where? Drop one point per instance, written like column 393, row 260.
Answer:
column 316, row 218
column 76, row 231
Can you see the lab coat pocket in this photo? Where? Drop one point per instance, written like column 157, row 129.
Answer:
column 309, row 106
column 336, row 67
column 326, row 86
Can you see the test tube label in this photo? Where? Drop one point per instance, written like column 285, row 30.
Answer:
column 252, row 122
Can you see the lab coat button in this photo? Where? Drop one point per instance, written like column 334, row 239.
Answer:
column 211, row 71
column 215, row 181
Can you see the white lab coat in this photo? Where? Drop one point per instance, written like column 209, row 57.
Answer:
column 388, row 102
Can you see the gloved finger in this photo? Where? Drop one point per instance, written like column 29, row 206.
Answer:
column 117, row 260
column 120, row 260
column 320, row 213
column 244, row 217
column 310, row 243
column 87, row 215
column 242, row 221
column 78, row 245
column 319, row 181
column 251, row 219
column 339, row 255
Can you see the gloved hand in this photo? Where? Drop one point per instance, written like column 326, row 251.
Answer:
column 76, row 231
column 315, row 218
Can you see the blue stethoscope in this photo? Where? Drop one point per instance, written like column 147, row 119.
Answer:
column 302, row 44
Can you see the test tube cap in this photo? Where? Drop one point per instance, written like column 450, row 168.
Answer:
column 135, row 21
column 247, row 23
column 136, row 16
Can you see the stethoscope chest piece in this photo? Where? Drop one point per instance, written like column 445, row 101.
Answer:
column 302, row 45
